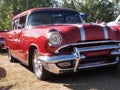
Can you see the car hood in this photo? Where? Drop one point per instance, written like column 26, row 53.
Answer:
column 85, row 32
column 72, row 33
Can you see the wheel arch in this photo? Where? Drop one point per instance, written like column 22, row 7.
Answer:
column 30, row 53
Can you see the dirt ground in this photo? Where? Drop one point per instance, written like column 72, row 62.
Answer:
column 14, row 76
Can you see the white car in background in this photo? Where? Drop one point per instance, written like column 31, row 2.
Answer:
column 114, row 23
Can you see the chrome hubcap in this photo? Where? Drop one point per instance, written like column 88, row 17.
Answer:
column 37, row 65
column 9, row 55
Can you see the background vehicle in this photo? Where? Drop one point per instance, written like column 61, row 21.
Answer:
column 55, row 40
column 114, row 23
column 2, row 39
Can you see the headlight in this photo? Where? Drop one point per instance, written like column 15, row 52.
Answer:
column 54, row 38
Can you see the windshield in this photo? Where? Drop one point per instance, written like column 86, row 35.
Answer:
column 53, row 17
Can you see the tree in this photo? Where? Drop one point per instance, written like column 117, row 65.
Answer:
column 7, row 7
column 70, row 4
column 117, row 7
column 94, row 9
column 5, row 14
column 22, row 5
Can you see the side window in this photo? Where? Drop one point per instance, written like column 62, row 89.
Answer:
column 22, row 21
column 14, row 24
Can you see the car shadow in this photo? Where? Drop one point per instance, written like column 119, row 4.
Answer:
column 3, row 73
column 98, row 79
column 89, row 79
column 3, row 52
column 6, row 87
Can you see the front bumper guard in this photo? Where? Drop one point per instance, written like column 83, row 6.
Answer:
column 77, row 56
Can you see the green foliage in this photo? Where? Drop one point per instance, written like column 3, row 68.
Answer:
column 7, row 7
column 69, row 4
column 94, row 8
column 5, row 14
column 22, row 5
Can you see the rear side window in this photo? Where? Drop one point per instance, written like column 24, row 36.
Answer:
column 22, row 21
column 19, row 23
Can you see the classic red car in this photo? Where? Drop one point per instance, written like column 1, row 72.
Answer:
column 55, row 40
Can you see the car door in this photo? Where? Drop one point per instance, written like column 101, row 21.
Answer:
column 20, row 52
column 15, row 38
column 12, row 37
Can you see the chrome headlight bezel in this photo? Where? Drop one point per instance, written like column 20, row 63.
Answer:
column 54, row 38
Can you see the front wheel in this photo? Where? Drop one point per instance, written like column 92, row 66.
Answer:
column 38, row 68
column 10, row 57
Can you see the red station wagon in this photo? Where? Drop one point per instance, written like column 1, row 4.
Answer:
column 55, row 40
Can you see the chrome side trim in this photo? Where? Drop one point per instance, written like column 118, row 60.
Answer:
column 82, row 32
column 105, row 32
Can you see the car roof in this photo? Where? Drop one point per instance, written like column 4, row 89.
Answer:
column 41, row 9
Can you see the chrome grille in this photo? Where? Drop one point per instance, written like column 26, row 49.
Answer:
column 94, row 45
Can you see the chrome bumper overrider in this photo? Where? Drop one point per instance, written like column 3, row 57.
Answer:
column 50, row 61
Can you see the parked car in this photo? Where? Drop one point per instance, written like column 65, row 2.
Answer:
column 114, row 23
column 55, row 40
column 2, row 39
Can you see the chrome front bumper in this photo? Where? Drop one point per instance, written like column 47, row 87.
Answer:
column 49, row 62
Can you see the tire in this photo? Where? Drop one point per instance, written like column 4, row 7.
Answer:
column 38, row 67
column 10, row 57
